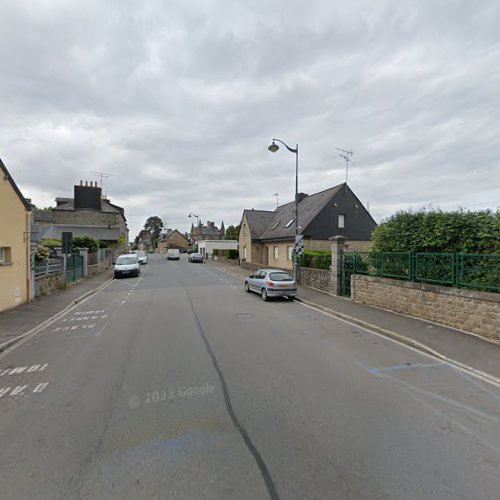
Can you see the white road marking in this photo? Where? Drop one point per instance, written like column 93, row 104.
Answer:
column 40, row 387
column 19, row 390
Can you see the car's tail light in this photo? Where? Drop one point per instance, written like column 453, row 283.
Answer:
column 269, row 283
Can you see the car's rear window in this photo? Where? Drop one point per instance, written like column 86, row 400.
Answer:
column 280, row 277
column 123, row 261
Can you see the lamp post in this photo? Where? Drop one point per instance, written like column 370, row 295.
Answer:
column 273, row 148
column 194, row 215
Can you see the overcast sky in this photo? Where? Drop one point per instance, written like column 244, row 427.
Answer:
column 178, row 100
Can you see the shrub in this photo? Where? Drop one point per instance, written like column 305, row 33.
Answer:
column 86, row 242
column 318, row 259
column 51, row 243
column 42, row 253
column 436, row 231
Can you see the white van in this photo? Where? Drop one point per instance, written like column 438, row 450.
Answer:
column 127, row 265
column 173, row 254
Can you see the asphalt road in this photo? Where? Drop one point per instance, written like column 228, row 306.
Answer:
column 178, row 384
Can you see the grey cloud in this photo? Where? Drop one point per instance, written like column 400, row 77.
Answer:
column 179, row 100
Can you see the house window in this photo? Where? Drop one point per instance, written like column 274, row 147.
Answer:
column 275, row 252
column 341, row 220
column 275, row 226
column 5, row 257
column 289, row 253
column 245, row 252
column 289, row 223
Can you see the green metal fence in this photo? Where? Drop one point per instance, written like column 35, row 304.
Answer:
column 74, row 268
column 476, row 271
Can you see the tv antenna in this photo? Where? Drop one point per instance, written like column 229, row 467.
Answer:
column 277, row 199
column 347, row 157
column 101, row 175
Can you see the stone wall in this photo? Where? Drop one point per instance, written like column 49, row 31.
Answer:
column 316, row 278
column 469, row 310
column 49, row 283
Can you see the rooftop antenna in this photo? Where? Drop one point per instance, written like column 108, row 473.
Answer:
column 277, row 199
column 347, row 157
column 101, row 175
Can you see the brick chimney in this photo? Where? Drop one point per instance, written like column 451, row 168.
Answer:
column 88, row 196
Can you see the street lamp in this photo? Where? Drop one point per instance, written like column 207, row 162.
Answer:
column 273, row 148
column 194, row 215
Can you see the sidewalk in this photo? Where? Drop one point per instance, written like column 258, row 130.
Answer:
column 450, row 344
column 24, row 318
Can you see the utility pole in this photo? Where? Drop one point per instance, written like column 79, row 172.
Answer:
column 347, row 157
column 101, row 175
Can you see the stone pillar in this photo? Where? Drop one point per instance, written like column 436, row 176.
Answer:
column 83, row 253
column 338, row 246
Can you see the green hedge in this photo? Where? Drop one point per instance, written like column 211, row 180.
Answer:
column 318, row 259
column 437, row 231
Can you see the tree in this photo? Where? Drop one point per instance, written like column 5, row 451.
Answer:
column 233, row 232
column 154, row 225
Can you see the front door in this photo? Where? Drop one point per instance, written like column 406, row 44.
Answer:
column 266, row 255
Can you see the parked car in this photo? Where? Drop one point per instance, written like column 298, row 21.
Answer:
column 142, row 257
column 173, row 254
column 127, row 265
column 195, row 257
column 272, row 283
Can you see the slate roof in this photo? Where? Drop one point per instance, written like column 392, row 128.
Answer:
column 97, row 232
column 106, row 207
column 309, row 208
column 258, row 221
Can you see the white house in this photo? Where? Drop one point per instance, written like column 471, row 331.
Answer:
column 207, row 247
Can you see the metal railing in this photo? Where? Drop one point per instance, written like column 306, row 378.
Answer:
column 49, row 266
column 475, row 271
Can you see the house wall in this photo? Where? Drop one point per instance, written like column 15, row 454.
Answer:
column 175, row 240
column 207, row 247
column 92, row 217
column 469, row 310
column 14, row 234
column 282, row 261
column 245, row 242
column 359, row 224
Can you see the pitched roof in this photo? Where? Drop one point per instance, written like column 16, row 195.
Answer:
column 284, row 215
column 96, row 232
column 8, row 177
column 258, row 221
column 106, row 207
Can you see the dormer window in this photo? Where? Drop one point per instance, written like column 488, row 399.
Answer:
column 290, row 222
column 275, row 226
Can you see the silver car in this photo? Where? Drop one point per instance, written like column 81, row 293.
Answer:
column 272, row 283
column 196, row 257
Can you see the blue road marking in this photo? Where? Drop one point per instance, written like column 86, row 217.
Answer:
column 407, row 366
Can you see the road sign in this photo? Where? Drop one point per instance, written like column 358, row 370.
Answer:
column 299, row 239
column 67, row 243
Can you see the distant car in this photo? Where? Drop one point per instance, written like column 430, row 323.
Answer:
column 142, row 257
column 127, row 265
column 189, row 251
column 272, row 283
column 195, row 257
column 173, row 254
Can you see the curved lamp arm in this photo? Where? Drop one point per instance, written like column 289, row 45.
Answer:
column 292, row 150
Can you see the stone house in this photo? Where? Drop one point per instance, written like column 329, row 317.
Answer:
column 268, row 237
column 207, row 232
column 88, row 213
column 172, row 239
column 14, row 243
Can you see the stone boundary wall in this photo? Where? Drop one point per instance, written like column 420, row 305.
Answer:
column 49, row 283
column 469, row 310
column 316, row 278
